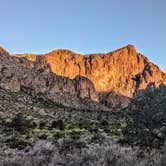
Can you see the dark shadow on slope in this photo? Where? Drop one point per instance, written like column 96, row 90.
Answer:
column 146, row 118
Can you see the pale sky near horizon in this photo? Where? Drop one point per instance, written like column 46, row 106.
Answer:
column 84, row 26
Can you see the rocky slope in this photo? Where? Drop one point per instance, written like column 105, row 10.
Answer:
column 46, row 119
column 19, row 74
column 123, row 71
column 63, row 76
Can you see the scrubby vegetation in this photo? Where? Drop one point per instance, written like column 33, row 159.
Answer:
column 70, row 153
column 146, row 119
column 47, row 136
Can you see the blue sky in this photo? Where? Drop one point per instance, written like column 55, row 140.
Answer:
column 84, row 26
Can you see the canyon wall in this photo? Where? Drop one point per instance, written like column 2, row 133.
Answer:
column 123, row 71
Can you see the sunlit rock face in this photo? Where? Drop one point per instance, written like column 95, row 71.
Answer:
column 16, row 73
column 123, row 71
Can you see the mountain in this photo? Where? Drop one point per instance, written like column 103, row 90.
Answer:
column 123, row 71
column 20, row 74
column 62, row 108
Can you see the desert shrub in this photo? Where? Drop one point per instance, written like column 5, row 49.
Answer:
column 74, row 133
column 97, row 138
column 57, row 133
column 40, row 131
column 146, row 120
column 18, row 142
column 20, row 124
column 43, row 136
column 58, row 124
column 104, row 123
column 70, row 153
column 42, row 124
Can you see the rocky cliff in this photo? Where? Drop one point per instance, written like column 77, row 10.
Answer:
column 111, row 79
column 123, row 71
column 19, row 73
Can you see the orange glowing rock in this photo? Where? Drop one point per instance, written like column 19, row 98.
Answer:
column 123, row 71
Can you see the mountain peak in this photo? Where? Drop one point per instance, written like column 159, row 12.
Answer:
column 130, row 46
column 127, row 50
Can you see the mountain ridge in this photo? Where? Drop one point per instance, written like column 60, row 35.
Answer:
column 44, row 116
column 123, row 70
column 110, row 79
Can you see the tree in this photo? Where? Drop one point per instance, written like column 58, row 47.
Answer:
column 19, row 123
column 58, row 124
column 146, row 121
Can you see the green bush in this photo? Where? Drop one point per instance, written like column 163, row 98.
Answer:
column 17, row 142
column 146, row 122
column 58, row 124
column 20, row 124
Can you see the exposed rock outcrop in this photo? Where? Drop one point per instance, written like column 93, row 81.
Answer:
column 114, row 100
column 117, row 75
column 124, row 71
column 16, row 73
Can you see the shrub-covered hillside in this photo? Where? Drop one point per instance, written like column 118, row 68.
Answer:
column 36, row 131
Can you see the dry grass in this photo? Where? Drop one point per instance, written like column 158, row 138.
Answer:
column 45, row 153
